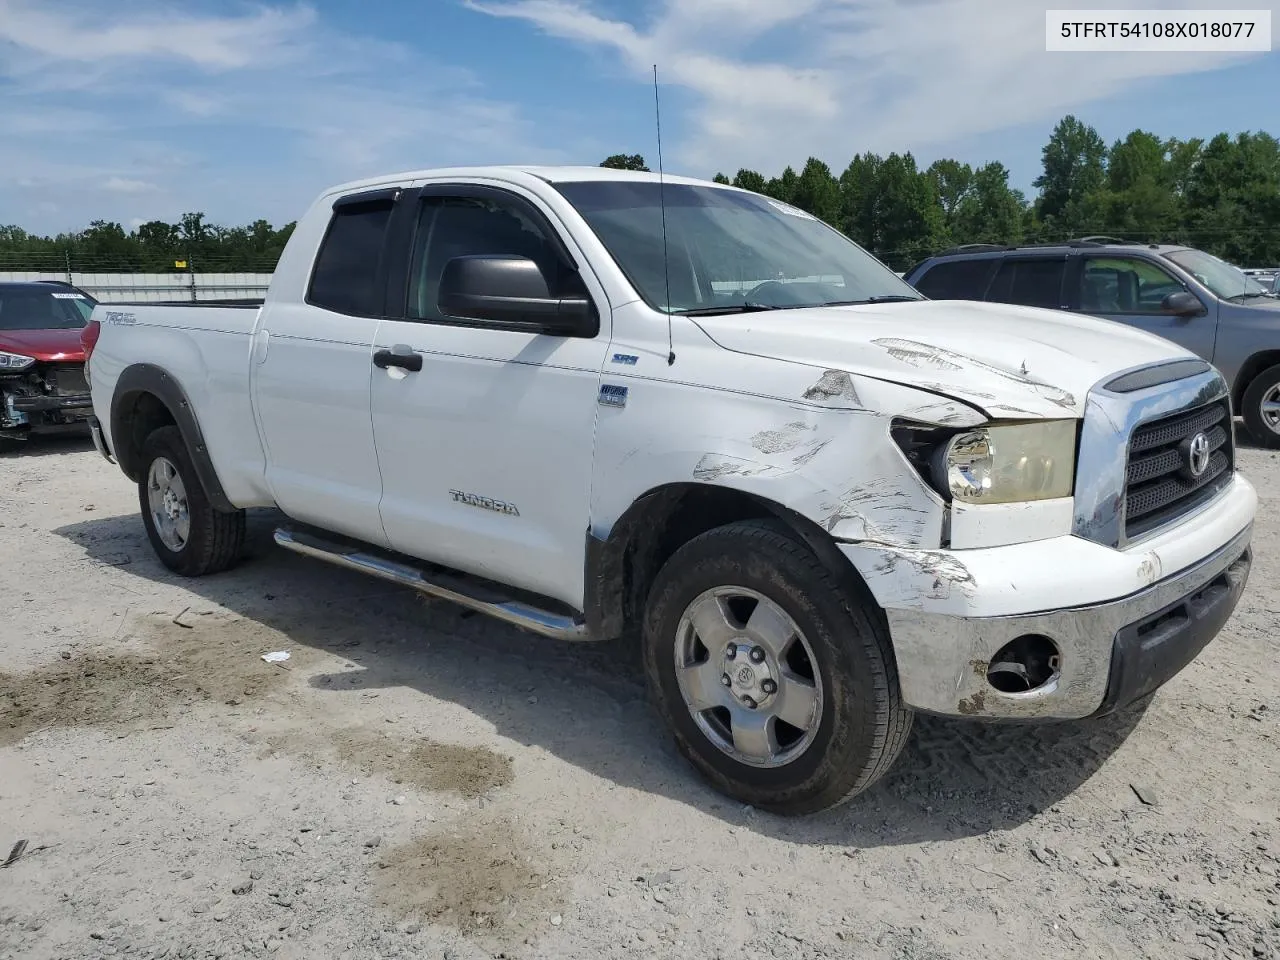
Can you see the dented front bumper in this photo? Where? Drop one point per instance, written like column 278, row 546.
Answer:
column 1123, row 621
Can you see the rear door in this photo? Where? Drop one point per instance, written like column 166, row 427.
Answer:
column 312, row 374
column 486, row 440
column 1130, row 290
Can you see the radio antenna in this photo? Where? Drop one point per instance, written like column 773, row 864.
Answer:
column 662, row 203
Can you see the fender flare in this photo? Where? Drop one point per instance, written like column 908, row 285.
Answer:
column 622, row 557
column 140, row 378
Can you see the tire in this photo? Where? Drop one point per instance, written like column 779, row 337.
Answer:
column 210, row 541
column 858, row 724
column 1263, row 388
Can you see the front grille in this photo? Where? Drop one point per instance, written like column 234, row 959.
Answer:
column 1160, row 486
column 67, row 380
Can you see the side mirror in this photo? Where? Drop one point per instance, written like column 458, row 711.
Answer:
column 511, row 290
column 1182, row 304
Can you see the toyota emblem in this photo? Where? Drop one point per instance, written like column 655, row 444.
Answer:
column 1198, row 455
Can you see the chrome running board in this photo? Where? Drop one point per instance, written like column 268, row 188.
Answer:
column 527, row 617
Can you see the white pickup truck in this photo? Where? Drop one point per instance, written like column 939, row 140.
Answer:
column 598, row 405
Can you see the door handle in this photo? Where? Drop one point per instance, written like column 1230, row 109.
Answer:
column 398, row 356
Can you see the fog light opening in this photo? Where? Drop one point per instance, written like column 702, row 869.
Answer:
column 1024, row 664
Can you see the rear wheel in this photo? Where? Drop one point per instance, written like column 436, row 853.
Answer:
column 188, row 535
column 777, row 682
column 1260, row 407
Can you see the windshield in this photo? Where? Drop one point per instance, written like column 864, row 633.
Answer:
column 727, row 249
column 1220, row 277
column 37, row 307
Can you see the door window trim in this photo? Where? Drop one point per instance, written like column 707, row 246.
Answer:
column 404, row 234
column 393, row 194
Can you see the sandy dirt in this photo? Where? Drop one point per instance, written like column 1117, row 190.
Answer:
column 414, row 782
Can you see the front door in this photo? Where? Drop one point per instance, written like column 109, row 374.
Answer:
column 1131, row 289
column 485, row 437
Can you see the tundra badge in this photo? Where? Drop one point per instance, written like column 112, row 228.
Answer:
column 484, row 503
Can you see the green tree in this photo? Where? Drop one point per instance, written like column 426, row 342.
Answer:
column 952, row 180
column 990, row 211
column 750, row 180
column 1073, row 161
column 817, row 192
column 624, row 161
column 1137, row 199
column 1233, row 198
column 892, row 208
column 784, row 187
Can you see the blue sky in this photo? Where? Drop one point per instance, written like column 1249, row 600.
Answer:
column 139, row 109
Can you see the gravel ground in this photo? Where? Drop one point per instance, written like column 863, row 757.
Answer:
column 417, row 782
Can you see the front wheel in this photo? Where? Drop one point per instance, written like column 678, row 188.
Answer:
column 1260, row 407
column 777, row 682
column 188, row 535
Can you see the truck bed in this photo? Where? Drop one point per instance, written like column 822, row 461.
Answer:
column 208, row 352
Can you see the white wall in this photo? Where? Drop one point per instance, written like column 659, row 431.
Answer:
column 117, row 287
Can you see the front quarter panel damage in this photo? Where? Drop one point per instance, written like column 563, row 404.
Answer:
column 826, row 453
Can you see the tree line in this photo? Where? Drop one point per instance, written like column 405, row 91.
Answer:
column 153, row 247
column 1221, row 195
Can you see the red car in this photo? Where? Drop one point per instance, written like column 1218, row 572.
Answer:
column 42, row 377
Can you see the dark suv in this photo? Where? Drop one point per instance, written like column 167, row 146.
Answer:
column 1184, row 295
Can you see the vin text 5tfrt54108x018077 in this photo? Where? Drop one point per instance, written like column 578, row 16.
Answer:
column 598, row 405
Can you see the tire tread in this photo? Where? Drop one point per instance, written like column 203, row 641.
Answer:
column 772, row 537
column 217, row 538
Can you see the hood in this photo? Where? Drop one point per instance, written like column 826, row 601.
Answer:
column 44, row 345
column 1007, row 360
column 1270, row 306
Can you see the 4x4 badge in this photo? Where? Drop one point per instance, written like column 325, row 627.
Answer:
column 612, row 395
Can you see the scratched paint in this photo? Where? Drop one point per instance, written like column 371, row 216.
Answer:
column 882, row 510
column 833, row 384
column 942, row 567
column 717, row 467
column 917, row 355
column 922, row 355
column 782, row 440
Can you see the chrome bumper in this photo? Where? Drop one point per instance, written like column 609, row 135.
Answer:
column 1112, row 653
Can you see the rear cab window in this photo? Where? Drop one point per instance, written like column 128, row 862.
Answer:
column 345, row 277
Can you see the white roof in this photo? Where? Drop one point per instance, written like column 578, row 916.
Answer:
column 554, row 174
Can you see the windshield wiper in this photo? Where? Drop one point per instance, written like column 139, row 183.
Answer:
column 1237, row 297
column 892, row 298
column 725, row 309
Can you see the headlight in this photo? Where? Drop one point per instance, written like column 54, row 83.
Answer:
column 15, row 361
column 1009, row 463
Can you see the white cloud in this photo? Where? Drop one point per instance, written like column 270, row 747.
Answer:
column 843, row 76
column 125, row 185
column 92, row 35
column 242, row 115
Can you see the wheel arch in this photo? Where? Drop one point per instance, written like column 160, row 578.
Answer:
column 146, row 397
column 1249, row 370
column 622, row 564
